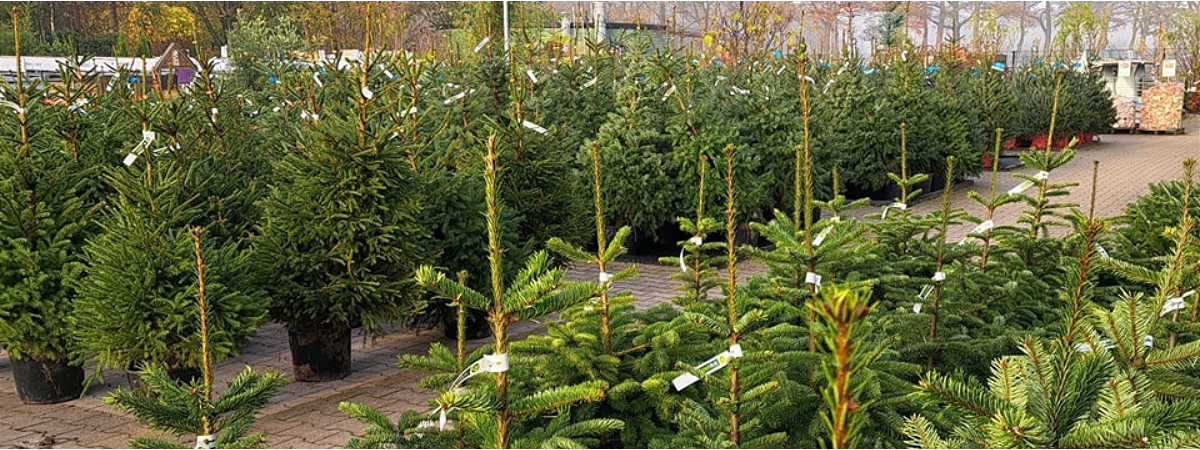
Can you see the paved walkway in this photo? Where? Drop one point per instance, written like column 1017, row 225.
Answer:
column 305, row 415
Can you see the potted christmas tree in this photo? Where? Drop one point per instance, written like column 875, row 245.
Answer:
column 135, row 305
column 43, row 222
column 340, row 234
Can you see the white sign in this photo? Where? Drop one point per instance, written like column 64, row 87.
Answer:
column 1124, row 68
column 1168, row 68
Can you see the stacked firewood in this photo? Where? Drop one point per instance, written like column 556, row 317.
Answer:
column 1128, row 110
column 1162, row 107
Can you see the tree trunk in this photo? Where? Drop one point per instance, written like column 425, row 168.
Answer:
column 1048, row 18
column 116, row 20
column 941, row 23
column 925, row 29
column 1021, row 32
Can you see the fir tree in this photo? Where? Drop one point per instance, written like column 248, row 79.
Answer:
column 45, row 216
column 340, row 233
column 184, row 408
column 135, row 304
column 500, row 413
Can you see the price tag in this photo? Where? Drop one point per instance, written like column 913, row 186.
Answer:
column 821, row 236
column 712, row 365
column 533, row 126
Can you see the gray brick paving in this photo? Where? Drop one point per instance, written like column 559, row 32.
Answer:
column 305, row 415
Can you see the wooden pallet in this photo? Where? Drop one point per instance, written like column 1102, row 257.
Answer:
column 1176, row 131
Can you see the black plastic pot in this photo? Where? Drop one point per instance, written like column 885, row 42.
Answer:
column 42, row 381
column 320, row 355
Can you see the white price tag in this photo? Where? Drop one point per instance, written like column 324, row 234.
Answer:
column 916, row 308
column 821, row 236
column 898, row 205
column 206, row 441
column 457, row 96
column 1101, row 251
column 939, row 276
column 813, row 279
column 604, row 277
column 129, row 159
column 533, row 126
column 1149, row 341
column 1041, row 176
column 1020, row 187
column 495, row 363
column 925, row 291
column 681, row 382
column 1172, row 305
column 532, row 77
column 668, row 93
column 317, row 79
column 708, row 367
column 591, row 82
column 367, row 93
column 482, row 43
column 982, row 227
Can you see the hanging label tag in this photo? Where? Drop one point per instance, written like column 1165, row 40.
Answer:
column 495, row 363
column 206, row 441
column 389, row 74
column 457, row 96
column 683, row 381
column 1149, row 341
column 129, row 159
column 982, row 227
column 916, row 308
column 939, row 276
column 532, row 77
column 367, row 93
column 1041, row 176
column 682, row 265
column 1172, row 305
column 925, row 291
column 780, row 70
column 411, row 111
column 1020, row 187
column 482, row 43
column 317, row 79
column 668, row 93
column 708, row 367
column 533, row 126
column 591, row 82
column 821, row 236
column 813, row 279
column 604, row 277
column 1101, row 251
column 737, row 90
column 898, row 205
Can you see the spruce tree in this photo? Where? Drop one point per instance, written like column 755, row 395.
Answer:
column 134, row 304
column 189, row 408
column 45, row 217
column 340, row 233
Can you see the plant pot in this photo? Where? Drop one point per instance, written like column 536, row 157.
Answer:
column 320, row 355
column 889, row 192
column 41, row 381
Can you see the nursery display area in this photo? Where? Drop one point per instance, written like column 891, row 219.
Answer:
column 153, row 230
